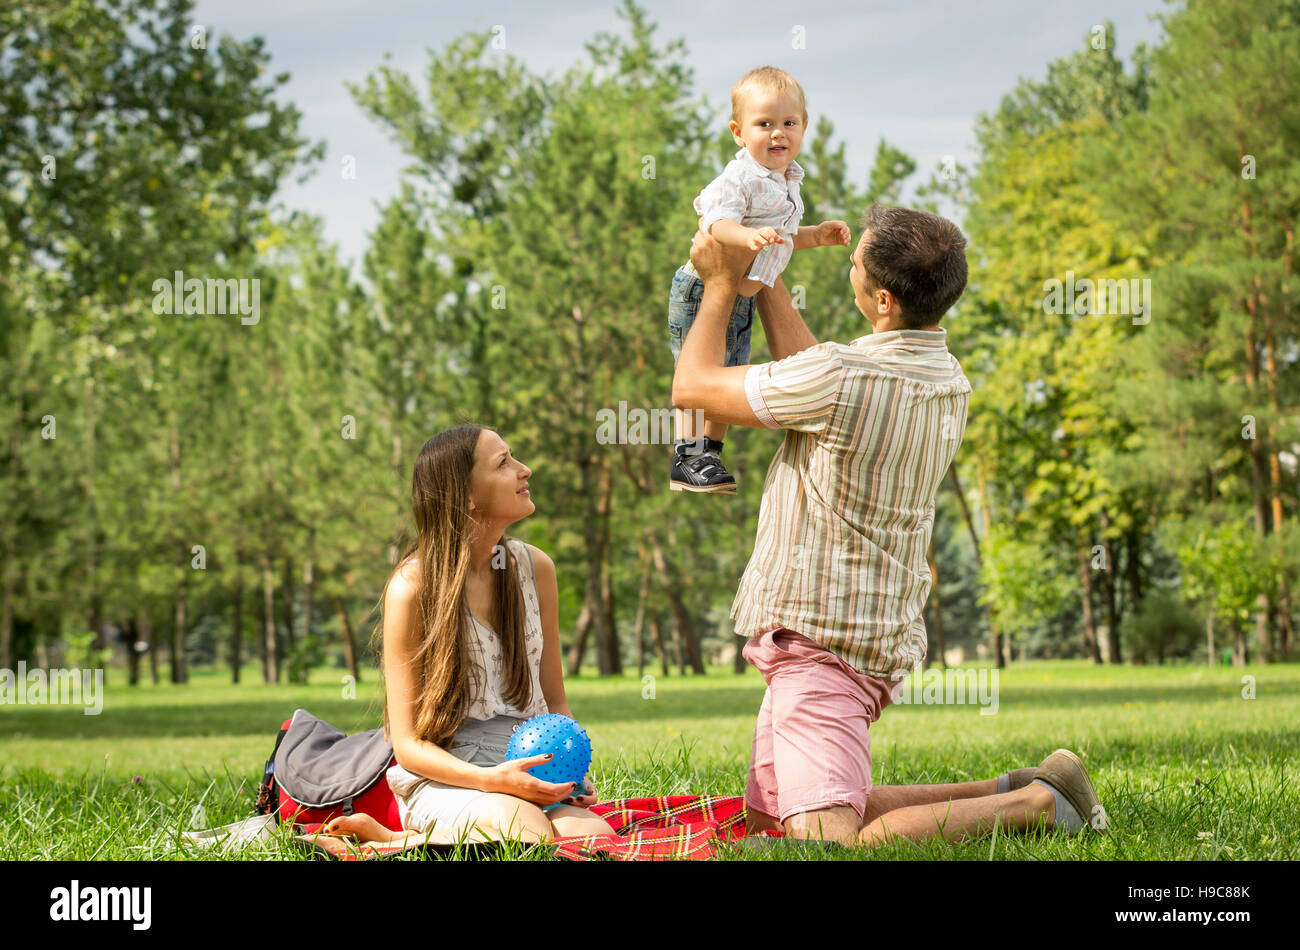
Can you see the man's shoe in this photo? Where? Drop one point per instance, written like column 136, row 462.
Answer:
column 1065, row 772
column 1019, row 778
column 700, row 471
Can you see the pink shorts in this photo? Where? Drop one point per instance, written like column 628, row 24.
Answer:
column 811, row 749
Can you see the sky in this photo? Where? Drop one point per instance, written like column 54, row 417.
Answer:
column 915, row 73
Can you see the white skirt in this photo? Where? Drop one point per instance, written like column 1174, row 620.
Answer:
column 425, row 805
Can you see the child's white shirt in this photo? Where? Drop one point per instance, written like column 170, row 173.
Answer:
column 755, row 196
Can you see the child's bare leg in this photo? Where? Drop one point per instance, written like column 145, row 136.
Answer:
column 689, row 422
column 715, row 430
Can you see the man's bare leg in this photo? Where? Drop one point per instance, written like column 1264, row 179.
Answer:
column 953, row 819
column 886, row 798
column 757, row 821
column 883, row 799
column 956, row 820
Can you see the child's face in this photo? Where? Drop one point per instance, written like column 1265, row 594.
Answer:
column 771, row 128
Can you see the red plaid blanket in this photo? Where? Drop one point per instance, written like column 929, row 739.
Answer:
column 660, row 829
column 645, row 829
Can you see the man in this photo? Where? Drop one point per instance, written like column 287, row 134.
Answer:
column 833, row 595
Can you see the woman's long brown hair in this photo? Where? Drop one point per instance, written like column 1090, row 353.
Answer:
column 445, row 675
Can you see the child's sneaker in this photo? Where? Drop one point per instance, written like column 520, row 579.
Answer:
column 700, row 470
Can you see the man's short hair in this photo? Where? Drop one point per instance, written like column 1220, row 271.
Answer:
column 918, row 257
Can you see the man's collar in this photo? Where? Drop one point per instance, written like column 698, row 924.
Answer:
column 937, row 339
column 793, row 171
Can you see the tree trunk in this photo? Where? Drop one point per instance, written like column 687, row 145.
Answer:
column 678, row 652
column 237, row 627
column 1133, row 568
column 1285, row 631
column 935, row 610
column 579, row 646
column 309, row 594
column 613, row 654
column 965, row 512
column 349, row 640
column 1209, row 637
column 270, row 658
column 657, row 630
column 150, row 636
column 999, row 657
column 596, row 483
column 607, row 629
column 1090, row 647
column 685, row 640
column 7, row 604
column 1110, row 587
column 132, row 656
column 178, row 616
column 178, row 630
column 92, row 540
column 1258, row 463
column 96, row 607
column 639, row 633
column 596, row 539
column 8, row 579
column 286, row 603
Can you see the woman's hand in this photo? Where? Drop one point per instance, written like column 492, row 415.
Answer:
column 588, row 796
column 512, row 778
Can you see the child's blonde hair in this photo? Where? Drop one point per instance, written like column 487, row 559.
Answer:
column 767, row 79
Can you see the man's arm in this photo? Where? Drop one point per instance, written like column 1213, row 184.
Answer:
column 783, row 325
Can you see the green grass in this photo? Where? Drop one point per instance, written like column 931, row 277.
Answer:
column 1186, row 768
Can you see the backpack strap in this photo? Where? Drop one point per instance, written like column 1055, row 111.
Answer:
column 266, row 803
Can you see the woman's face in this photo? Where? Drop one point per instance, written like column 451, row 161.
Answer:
column 498, row 489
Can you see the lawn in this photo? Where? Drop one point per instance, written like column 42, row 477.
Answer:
column 1185, row 765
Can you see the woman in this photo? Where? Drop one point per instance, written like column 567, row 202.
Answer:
column 471, row 647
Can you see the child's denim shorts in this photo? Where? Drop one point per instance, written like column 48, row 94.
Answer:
column 684, row 304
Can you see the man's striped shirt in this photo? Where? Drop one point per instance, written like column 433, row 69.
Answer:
column 848, row 504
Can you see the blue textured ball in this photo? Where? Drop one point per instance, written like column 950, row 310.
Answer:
column 563, row 738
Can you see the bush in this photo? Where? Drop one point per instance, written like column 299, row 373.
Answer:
column 305, row 654
column 79, row 653
column 1162, row 628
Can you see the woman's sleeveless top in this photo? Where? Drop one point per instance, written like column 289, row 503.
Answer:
column 487, row 689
